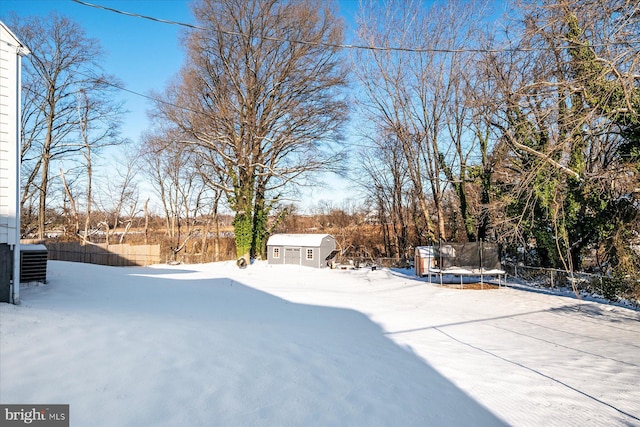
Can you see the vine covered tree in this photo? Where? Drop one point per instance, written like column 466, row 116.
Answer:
column 568, row 113
column 259, row 101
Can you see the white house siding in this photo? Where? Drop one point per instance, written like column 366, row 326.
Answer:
column 11, row 51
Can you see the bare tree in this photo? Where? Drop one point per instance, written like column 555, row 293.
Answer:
column 258, row 99
column 119, row 197
column 416, row 94
column 75, row 217
column 387, row 183
column 62, row 77
column 190, row 205
column 172, row 175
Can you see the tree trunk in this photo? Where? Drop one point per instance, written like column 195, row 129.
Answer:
column 242, row 227
column 43, row 197
column 146, row 222
column 87, row 220
column 76, row 219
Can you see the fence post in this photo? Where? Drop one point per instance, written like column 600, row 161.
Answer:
column 601, row 285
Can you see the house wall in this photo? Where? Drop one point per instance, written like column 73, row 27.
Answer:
column 8, row 138
column 11, row 51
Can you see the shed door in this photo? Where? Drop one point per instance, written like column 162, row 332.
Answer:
column 292, row 256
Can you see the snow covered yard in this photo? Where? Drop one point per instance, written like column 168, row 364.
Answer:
column 289, row 346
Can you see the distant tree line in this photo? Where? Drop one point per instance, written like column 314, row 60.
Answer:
column 522, row 129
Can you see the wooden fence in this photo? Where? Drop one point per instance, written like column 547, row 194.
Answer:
column 99, row 253
column 199, row 258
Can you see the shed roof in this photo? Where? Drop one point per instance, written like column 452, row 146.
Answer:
column 296, row 239
column 425, row 251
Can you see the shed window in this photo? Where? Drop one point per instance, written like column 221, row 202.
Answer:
column 309, row 253
column 276, row 252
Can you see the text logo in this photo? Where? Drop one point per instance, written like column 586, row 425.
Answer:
column 34, row 415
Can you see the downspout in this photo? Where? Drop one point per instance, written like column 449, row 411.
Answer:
column 15, row 288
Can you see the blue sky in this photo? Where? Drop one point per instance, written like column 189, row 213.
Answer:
column 144, row 54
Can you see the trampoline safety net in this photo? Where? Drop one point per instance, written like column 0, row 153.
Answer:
column 470, row 255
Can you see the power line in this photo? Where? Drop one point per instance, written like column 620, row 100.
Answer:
column 340, row 45
column 151, row 98
column 136, row 15
column 349, row 144
column 196, row 27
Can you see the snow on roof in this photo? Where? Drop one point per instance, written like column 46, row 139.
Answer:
column 296, row 239
column 425, row 251
column 32, row 248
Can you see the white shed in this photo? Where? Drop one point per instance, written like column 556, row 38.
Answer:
column 424, row 260
column 311, row 250
column 11, row 53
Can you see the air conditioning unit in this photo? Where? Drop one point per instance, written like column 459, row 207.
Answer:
column 33, row 263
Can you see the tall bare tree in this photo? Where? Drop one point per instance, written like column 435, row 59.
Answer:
column 259, row 100
column 414, row 90
column 62, row 76
column 119, row 196
column 387, row 183
column 189, row 203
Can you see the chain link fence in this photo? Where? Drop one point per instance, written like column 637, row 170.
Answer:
column 612, row 289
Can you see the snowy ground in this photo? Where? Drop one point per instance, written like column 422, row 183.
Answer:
column 287, row 346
